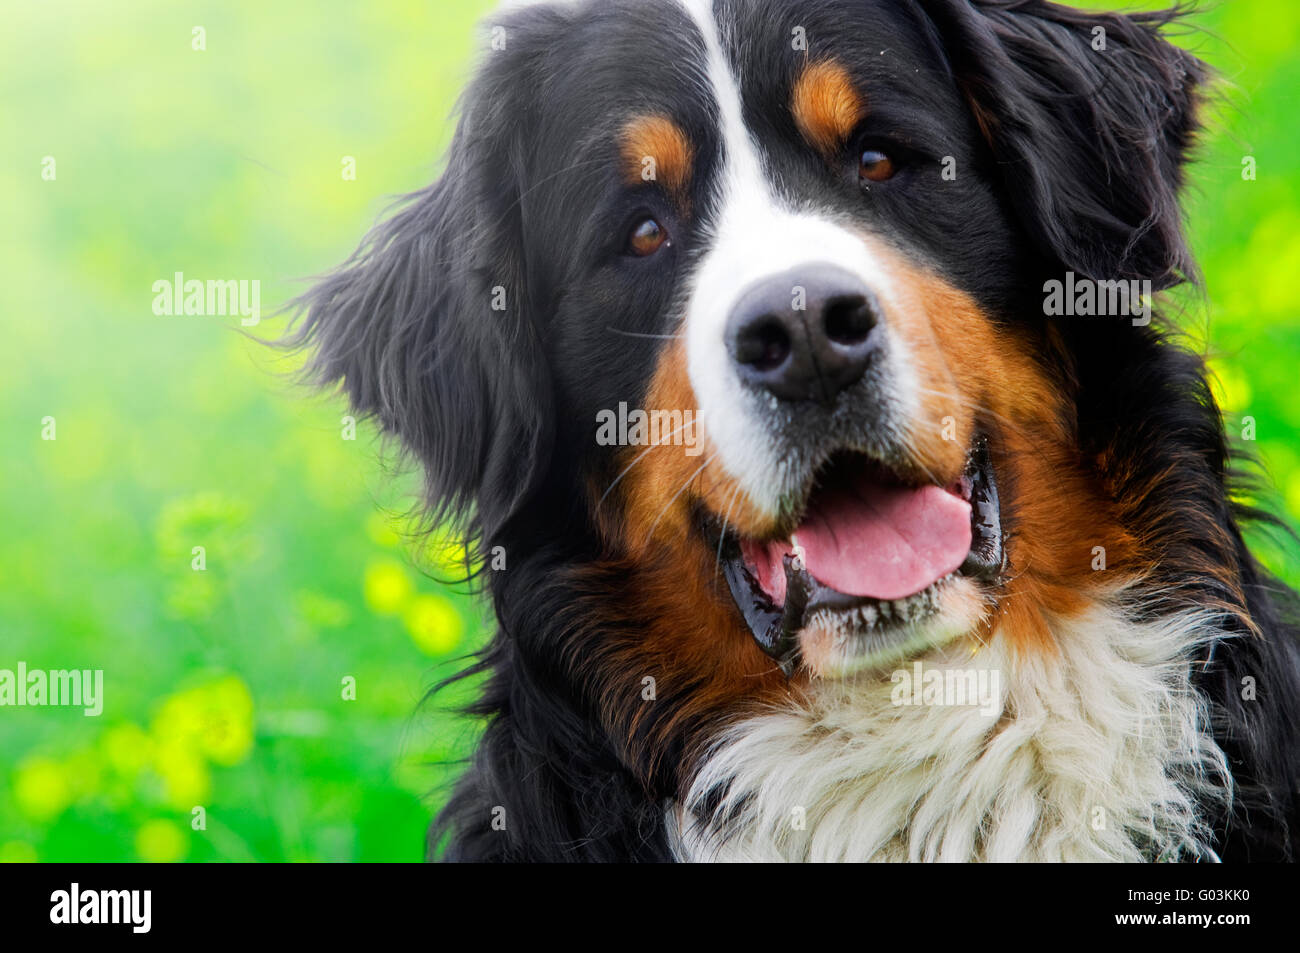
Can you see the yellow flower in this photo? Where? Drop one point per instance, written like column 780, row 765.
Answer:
column 126, row 748
column 1231, row 389
column 228, row 723
column 387, row 587
column 212, row 722
column 161, row 842
column 447, row 556
column 185, row 774
column 434, row 624
column 214, row 719
column 42, row 788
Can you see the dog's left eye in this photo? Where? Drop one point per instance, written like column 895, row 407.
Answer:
column 875, row 166
column 647, row 237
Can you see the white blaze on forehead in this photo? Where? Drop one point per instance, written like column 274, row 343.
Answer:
column 755, row 235
column 741, row 154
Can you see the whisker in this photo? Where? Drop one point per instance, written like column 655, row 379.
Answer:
column 641, row 456
column 906, row 441
column 717, row 562
column 972, row 405
column 638, row 334
column 982, row 409
column 663, row 512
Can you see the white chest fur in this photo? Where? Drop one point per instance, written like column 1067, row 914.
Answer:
column 1099, row 753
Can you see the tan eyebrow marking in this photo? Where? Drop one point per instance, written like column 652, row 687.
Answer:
column 826, row 106
column 656, row 149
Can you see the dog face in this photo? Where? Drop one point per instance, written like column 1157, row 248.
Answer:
column 832, row 338
column 816, row 232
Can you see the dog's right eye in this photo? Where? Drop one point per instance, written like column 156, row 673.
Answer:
column 647, row 237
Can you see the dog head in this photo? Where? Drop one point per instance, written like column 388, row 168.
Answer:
column 810, row 241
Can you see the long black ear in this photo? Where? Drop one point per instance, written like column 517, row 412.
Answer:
column 1090, row 117
column 427, row 328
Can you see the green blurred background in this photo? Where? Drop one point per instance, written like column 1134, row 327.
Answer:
column 224, row 688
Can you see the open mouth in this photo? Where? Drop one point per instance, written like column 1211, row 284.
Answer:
column 870, row 553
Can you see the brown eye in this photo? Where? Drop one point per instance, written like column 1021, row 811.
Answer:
column 647, row 238
column 875, row 166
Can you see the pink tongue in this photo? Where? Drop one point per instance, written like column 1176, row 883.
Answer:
column 882, row 542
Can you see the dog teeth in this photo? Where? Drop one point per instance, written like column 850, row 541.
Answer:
column 893, row 613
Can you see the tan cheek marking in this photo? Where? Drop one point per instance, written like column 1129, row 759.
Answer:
column 683, row 628
column 656, row 149
column 664, row 481
column 680, row 628
column 977, row 374
column 826, row 106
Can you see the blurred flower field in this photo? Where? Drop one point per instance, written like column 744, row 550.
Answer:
column 267, row 706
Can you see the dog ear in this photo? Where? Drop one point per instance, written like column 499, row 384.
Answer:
column 427, row 328
column 1089, row 117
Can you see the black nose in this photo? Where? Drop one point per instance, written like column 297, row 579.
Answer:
column 804, row 335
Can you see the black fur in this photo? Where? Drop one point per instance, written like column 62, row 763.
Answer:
column 1078, row 162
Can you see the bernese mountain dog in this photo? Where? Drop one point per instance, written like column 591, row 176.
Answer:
column 790, row 367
